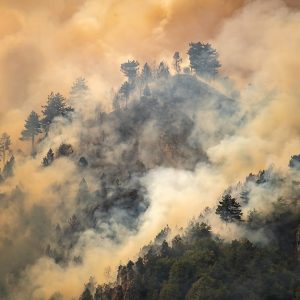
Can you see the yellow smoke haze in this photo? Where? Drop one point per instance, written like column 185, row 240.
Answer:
column 45, row 45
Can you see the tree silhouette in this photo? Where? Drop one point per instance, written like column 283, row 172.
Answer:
column 86, row 295
column 55, row 107
column 130, row 70
column 8, row 168
column 79, row 89
column 203, row 59
column 48, row 159
column 163, row 70
column 32, row 128
column 146, row 74
column 177, row 60
column 125, row 92
column 229, row 209
column 5, row 143
column 116, row 102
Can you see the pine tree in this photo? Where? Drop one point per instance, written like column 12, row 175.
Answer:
column 79, row 90
column 86, row 295
column 116, row 102
column 204, row 59
column 130, row 70
column 125, row 91
column 229, row 209
column 8, row 168
column 32, row 128
column 48, row 159
column 146, row 74
column 177, row 60
column 165, row 249
column 5, row 143
column 55, row 107
column 244, row 196
column 163, row 70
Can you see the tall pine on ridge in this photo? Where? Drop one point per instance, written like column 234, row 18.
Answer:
column 32, row 128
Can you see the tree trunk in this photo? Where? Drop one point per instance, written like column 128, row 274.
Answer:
column 32, row 146
column 3, row 155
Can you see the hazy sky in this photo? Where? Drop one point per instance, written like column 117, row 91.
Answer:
column 45, row 45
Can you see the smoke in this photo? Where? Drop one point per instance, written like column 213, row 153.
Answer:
column 44, row 46
column 42, row 43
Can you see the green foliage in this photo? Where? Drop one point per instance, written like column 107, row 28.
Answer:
column 125, row 90
column 229, row 209
column 86, row 295
column 162, row 235
column 32, row 126
column 198, row 265
column 48, row 159
column 65, row 149
column 203, row 59
column 8, row 168
column 5, row 143
column 55, row 107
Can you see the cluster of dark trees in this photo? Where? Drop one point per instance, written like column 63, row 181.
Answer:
column 56, row 106
column 198, row 265
column 203, row 61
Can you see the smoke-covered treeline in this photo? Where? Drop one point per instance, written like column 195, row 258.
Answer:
column 104, row 156
column 261, row 263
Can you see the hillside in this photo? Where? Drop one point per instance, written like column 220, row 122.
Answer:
column 198, row 264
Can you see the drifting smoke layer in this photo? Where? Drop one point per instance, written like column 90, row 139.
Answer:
column 41, row 43
column 85, row 37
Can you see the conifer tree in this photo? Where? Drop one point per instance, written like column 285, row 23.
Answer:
column 177, row 60
column 56, row 107
column 8, row 168
column 116, row 102
column 32, row 128
column 204, row 59
column 125, row 91
column 146, row 74
column 48, row 159
column 5, row 143
column 86, row 295
column 163, row 70
column 229, row 209
column 79, row 89
column 130, row 70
